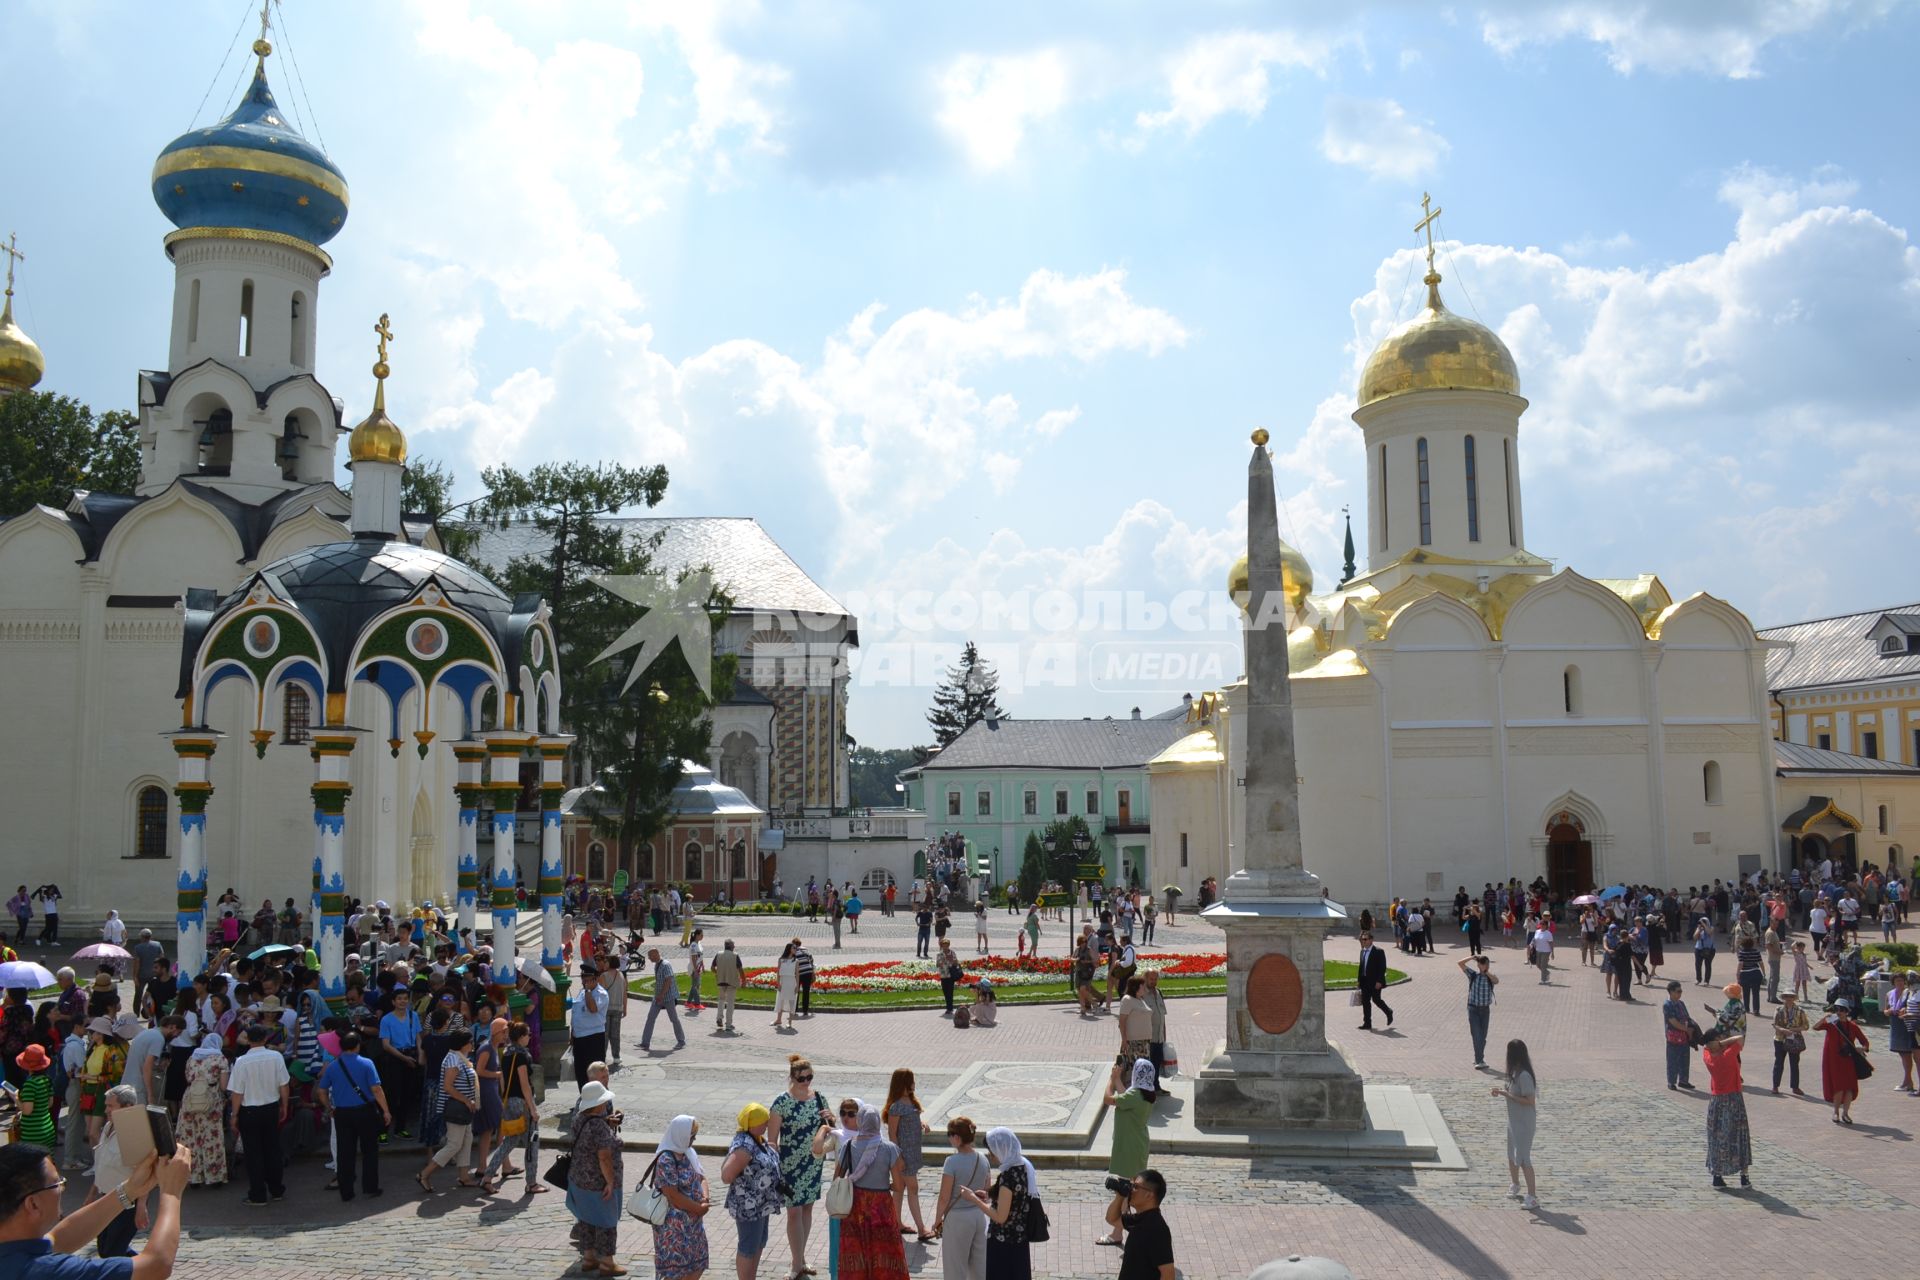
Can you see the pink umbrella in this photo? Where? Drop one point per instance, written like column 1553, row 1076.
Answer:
column 103, row 951
column 1584, row 900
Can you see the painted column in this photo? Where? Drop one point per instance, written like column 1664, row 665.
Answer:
column 332, row 759
column 471, row 758
column 553, row 1013
column 193, row 750
column 503, row 761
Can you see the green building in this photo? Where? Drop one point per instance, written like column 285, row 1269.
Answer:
column 1002, row 779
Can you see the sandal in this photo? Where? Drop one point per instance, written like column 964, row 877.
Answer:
column 612, row 1269
column 1108, row 1240
column 425, row 1185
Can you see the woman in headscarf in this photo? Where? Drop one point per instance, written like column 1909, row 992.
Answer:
column 870, row 1234
column 1839, row 1078
column 203, row 1104
column 1009, row 1257
column 593, row 1185
column 1132, row 1098
column 680, row 1243
column 752, row 1178
column 828, row 1142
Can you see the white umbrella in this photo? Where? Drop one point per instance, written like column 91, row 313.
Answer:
column 531, row 968
column 25, row 973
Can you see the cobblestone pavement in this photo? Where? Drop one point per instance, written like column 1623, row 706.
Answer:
column 1621, row 1159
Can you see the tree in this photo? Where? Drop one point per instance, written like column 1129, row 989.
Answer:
column 872, row 773
column 1063, row 863
column 968, row 695
column 51, row 445
column 635, row 737
column 426, row 489
column 1033, row 867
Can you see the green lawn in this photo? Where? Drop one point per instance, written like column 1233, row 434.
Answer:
column 1340, row 976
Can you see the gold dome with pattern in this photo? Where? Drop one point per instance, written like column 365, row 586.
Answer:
column 1438, row 351
column 379, row 438
column 1296, row 579
column 21, row 364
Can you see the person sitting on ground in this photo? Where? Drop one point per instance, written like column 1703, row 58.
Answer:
column 985, row 1005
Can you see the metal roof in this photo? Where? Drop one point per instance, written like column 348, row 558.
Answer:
column 1835, row 651
column 1059, row 744
column 1790, row 758
column 746, row 562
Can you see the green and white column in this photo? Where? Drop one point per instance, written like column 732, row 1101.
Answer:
column 470, row 758
column 504, row 748
column 193, row 752
column 553, row 759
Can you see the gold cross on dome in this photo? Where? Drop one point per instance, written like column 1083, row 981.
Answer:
column 262, row 47
column 12, row 250
column 386, row 335
column 1426, row 224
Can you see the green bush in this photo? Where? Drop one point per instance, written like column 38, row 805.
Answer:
column 1904, row 955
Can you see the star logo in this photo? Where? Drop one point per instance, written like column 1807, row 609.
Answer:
column 674, row 611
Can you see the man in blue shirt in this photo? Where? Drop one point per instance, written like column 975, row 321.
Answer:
column 354, row 1092
column 401, row 1061
column 36, row 1243
column 666, row 996
column 589, row 1022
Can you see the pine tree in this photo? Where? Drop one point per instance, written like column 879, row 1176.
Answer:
column 968, row 695
column 1033, row 867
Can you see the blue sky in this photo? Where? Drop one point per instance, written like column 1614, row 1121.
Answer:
column 984, row 299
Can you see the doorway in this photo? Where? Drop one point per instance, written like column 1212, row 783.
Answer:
column 1125, row 799
column 1569, row 857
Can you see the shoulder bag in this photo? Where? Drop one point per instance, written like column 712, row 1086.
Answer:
column 648, row 1202
column 561, row 1173
column 839, row 1199
column 1039, row 1230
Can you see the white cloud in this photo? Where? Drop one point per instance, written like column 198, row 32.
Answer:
column 1377, row 134
column 1231, row 72
column 1721, row 37
column 988, row 102
column 732, row 93
column 1590, row 246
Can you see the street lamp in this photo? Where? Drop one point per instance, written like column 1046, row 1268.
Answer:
column 1082, row 842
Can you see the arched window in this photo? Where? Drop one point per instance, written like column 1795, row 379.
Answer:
column 1506, row 462
column 246, row 318
column 1892, row 645
column 596, row 862
column 297, row 342
column 1710, row 781
column 150, row 823
column 694, row 871
column 1384, row 493
column 1883, row 819
column 1426, row 493
column 1570, row 690
column 193, row 312
column 739, row 871
column 1473, row 497
column 296, row 714
column 646, row 862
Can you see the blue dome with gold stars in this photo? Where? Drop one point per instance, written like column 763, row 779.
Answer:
column 251, row 172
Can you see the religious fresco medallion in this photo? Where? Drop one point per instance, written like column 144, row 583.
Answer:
column 427, row 639
column 1274, row 993
column 262, row 637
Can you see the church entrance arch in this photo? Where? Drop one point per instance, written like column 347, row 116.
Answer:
column 1569, row 856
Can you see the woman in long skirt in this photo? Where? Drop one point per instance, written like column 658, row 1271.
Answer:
column 203, row 1106
column 870, row 1246
column 1729, row 1140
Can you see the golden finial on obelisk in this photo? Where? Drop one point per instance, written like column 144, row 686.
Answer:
column 1425, row 224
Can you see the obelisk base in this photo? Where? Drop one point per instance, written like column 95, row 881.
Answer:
column 1276, row 1068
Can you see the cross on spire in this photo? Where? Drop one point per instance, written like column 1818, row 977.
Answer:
column 1426, row 224
column 262, row 47
column 12, row 250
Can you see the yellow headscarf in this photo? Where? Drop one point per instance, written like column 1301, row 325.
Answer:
column 750, row 1115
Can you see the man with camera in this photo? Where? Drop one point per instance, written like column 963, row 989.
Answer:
column 36, row 1243
column 1148, row 1252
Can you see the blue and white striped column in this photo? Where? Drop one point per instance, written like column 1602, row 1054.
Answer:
column 504, row 749
column 471, row 788
column 333, row 757
column 193, row 751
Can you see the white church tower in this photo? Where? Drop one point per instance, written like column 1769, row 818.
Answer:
column 1443, row 470
column 238, row 408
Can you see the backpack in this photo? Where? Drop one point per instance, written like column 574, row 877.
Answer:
column 202, row 1095
column 962, row 1017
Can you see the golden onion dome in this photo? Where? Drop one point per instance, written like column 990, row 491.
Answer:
column 1438, row 351
column 21, row 364
column 379, row 438
column 1296, row 579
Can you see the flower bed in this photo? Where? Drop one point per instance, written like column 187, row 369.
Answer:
column 1002, row 971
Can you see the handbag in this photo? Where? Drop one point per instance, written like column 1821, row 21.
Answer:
column 648, row 1202
column 1862, row 1068
column 1796, row 1043
column 514, row 1122
column 1039, row 1230
column 839, row 1198
column 561, row 1173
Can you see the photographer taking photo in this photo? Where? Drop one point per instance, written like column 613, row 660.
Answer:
column 1148, row 1252
column 35, row 1241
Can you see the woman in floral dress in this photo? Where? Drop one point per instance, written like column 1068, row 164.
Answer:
column 593, row 1186
column 202, row 1106
column 798, row 1115
column 680, row 1243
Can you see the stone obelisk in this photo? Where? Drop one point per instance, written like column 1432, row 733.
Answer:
column 1276, row 1067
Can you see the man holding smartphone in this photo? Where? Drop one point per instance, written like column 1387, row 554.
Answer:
column 36, row 1243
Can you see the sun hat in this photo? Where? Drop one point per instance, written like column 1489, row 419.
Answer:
column 33, row 1058
column 593, row 1094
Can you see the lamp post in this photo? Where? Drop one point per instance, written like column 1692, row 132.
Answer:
column 1082, row 842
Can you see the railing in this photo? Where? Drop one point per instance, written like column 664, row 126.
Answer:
column 887, row 825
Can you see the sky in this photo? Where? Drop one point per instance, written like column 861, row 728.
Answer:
column 974, row 306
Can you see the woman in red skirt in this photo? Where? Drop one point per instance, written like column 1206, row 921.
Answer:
column 870, row 1247
column 1839, row 1081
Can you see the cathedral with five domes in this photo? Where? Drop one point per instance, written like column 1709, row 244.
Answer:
column 238, row 673
column 1466, row 713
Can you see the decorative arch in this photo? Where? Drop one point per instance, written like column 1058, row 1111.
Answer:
column 41, row 516
column 1441, row 604
column 596, row 863
column 1574, row 807
column 695, row 861
column 129, row 531
column 1672, row 622
column 310, row 528
column 1567, row 582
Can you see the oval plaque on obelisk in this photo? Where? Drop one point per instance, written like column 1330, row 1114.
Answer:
column 1274, row 993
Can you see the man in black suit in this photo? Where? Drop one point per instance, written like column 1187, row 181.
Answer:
column 1373, row 980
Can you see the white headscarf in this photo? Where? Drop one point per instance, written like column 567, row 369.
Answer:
column 209, row 1047
column 1143, row 1075
column 679, row 1139
column 1005, row 1145
column 870, row 1130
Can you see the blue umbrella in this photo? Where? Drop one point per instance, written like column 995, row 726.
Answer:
column 274, row 949
column 1617, row 891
